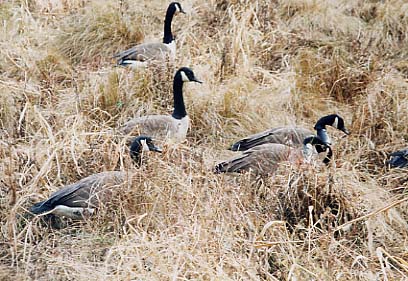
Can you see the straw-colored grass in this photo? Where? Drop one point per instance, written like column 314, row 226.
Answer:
column 264, row 64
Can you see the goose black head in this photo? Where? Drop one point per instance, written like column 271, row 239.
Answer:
column 320, row 147
column 333, row 120
column 185, row 74
column 175, row 8
column 399, row 159
column 139, row 144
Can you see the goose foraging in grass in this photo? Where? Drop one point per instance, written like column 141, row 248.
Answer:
column 80, row 199
column 399, row 159
column 166, row 127
column 141, row 55
column 291, row 136
column 264, row 159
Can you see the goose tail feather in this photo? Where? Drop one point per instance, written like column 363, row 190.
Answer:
column 39, row 208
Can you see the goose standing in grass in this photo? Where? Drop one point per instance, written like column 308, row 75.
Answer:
column 291, row 136
column 264, row 159
column 399, row 159
column 166, row 127
column 141, row 55
column 80, row 199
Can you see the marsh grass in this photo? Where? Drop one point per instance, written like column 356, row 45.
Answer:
column 264, row 64
column 97, row 33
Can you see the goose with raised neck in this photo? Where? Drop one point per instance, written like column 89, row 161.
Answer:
column 143, row 54
column 172, row 127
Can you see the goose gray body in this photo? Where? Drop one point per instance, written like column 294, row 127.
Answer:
column 80, row 199
column 162, row 127
column 143, row 54
column 264, row 159
column 399, row 159
column 166, row 127
column 291, row 135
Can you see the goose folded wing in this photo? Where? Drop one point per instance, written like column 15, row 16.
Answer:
column 84, row 193
column 156, row 126
column 144, row 52
column 283, row 135
column 262, row 159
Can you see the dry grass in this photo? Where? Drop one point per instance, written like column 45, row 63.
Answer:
column 264, row 63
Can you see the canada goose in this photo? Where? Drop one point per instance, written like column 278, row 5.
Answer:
column 264, row 159
column 79, row 200
column 291, row 136
column 399, row 159
column 166, row 127
column 142, row 54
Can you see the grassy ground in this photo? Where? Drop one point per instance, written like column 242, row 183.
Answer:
column 265, row 64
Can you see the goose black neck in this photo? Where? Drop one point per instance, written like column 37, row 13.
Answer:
column 135, row 154
column 328, row 157
column 179, row 107
column 168, row 36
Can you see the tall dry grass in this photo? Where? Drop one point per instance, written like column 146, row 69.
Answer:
column 265, row 64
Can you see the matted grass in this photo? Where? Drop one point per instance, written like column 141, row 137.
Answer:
column 264, row 64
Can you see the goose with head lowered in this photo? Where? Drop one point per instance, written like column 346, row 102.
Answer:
column 291, row 136
column 80, row 199
column 141, row 55
column 399, row 159
column 264, row 159
column 166, row 127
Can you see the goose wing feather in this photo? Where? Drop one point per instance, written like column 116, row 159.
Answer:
column 144, row 52
column 292, row 136
column 156, row 126
column 79, row 193
column 262, row 159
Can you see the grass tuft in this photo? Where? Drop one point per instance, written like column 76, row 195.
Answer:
column 97, row 34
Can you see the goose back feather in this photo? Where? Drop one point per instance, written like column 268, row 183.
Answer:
column 291, row 136
column 146, row 52
column 162, row 127
column 261, row 159
column 87, row 193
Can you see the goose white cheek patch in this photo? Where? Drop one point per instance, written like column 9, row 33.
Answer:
column 144, row 145
column 184, row 77
column 336, row 122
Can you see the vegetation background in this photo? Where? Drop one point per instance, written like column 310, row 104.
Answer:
column 265, row 64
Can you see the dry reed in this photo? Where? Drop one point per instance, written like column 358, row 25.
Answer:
column 265, row 64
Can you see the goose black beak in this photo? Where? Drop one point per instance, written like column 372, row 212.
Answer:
column 198, row 81
column 346, row 131
column 182, row 11
column 154, row 148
